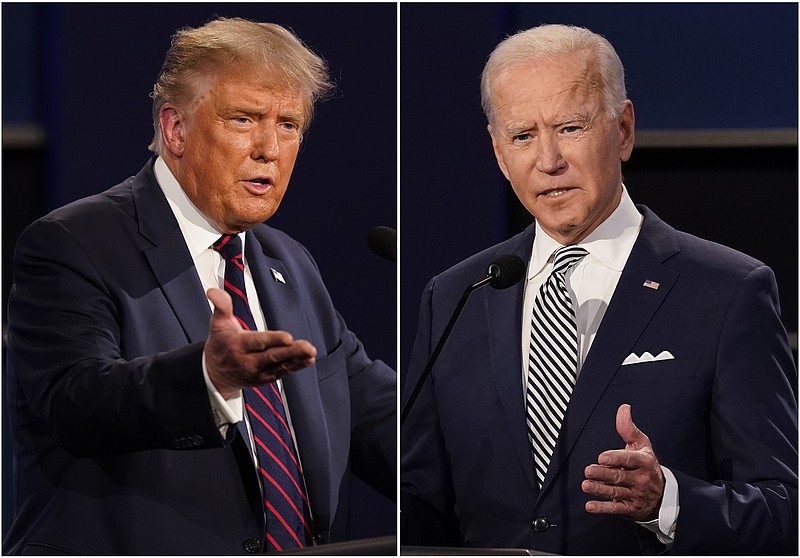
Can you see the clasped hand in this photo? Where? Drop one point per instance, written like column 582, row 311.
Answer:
column 629, row 479
column 236, row 359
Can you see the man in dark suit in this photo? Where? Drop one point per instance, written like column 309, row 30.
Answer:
column 635, row 393
column 145, row 399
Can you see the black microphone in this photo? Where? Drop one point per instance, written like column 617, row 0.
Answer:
column 505, row 271
column 383, row 242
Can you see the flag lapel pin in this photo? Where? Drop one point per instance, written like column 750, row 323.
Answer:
column 278, row 276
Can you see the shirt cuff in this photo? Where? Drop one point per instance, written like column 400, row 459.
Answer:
column 664, row 526
column 225, row 411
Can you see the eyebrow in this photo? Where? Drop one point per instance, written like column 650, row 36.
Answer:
column 579, row 117
column 572, row 119
column 292, row 115
column 259, row 112
column 512, row 131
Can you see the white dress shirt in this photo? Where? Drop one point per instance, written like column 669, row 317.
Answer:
column 200, row 235
column 591, row 284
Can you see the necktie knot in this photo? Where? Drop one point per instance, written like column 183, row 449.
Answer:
column 229, row 245
column 566, row 257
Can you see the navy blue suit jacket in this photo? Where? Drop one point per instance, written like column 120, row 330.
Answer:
column 722, row 415
column 116, row 449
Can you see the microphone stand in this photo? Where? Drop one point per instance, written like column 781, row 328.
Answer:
column 494, row 273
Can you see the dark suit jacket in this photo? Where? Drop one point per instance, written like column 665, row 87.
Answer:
column 722, row 415
column 116, row 450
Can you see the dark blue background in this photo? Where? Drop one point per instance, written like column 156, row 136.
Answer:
column 83, row 73
column 689, row 66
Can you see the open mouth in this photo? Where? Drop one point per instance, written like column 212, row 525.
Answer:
column 258, row 183
column 555, row 193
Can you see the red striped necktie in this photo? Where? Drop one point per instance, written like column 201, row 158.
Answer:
column 287, row 511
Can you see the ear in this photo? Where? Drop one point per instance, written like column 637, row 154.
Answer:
column 627, row 121
column 173, row 129
column 497, row 154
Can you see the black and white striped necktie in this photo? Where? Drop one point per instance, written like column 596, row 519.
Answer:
column 552, row 359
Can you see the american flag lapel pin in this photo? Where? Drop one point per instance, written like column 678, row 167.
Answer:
column 278, row 276
column 650, row 284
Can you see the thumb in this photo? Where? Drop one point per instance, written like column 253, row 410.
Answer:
column 634, row 438
column 223, row 317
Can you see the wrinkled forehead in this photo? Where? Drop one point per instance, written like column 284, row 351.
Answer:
column 547, row 84
column 574, row 70
column 263, row 77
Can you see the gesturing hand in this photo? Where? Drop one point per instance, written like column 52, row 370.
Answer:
column 631, row 478
column 236, row 358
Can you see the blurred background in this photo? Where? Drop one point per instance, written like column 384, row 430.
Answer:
column 714, row 86
column 77, row 120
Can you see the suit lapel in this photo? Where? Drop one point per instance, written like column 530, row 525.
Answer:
column 174, row 270
column 503, row 310
column 630, row 310
column 169, row 257
column 283, row 310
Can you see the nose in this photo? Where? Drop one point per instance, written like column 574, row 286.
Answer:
column 266, row 146
column 549, row 159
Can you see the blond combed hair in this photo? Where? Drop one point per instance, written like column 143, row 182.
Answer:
column 197, row 55
column 549, row 41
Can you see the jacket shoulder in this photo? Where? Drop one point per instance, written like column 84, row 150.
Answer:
column 682, row 250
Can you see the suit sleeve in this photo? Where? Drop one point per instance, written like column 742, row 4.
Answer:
column 426, row 494
column 751, row 508
column 66, row 360
column 373, row 396
column 372, row 385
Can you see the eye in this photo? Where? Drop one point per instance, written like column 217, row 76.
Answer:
column 518, row 138
column 289, row 128
column 241, row 119
column 570, row 129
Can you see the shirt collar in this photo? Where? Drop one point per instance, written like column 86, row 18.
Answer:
column 610, row 243
column 198, row 231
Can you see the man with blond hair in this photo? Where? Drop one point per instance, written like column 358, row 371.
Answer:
column 181, row 381
column 635, row 392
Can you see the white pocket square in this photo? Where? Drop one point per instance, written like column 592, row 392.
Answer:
column 646, row 357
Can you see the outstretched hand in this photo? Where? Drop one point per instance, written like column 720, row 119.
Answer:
column 630, row 480
column 237, row 359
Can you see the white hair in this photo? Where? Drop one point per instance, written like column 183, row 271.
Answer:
column 548, row 41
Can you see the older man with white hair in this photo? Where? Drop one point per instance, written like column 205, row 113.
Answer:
column 635, row 392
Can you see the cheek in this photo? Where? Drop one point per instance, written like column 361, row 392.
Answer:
column 520, row 166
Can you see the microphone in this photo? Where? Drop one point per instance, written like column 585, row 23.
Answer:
column 383, row 242
column 505, row 271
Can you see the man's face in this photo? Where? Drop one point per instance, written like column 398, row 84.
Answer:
column 557, row 146
column 239, row 149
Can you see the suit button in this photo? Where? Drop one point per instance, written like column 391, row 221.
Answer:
column 541, row 524
column 252, row 545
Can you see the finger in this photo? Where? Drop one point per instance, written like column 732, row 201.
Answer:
column 633, row 437
column 609, row 508
column 606, row 475
column 297, row 351
column 609, row 492
column 623, row 459
column 259, row 341
column 223, row 309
